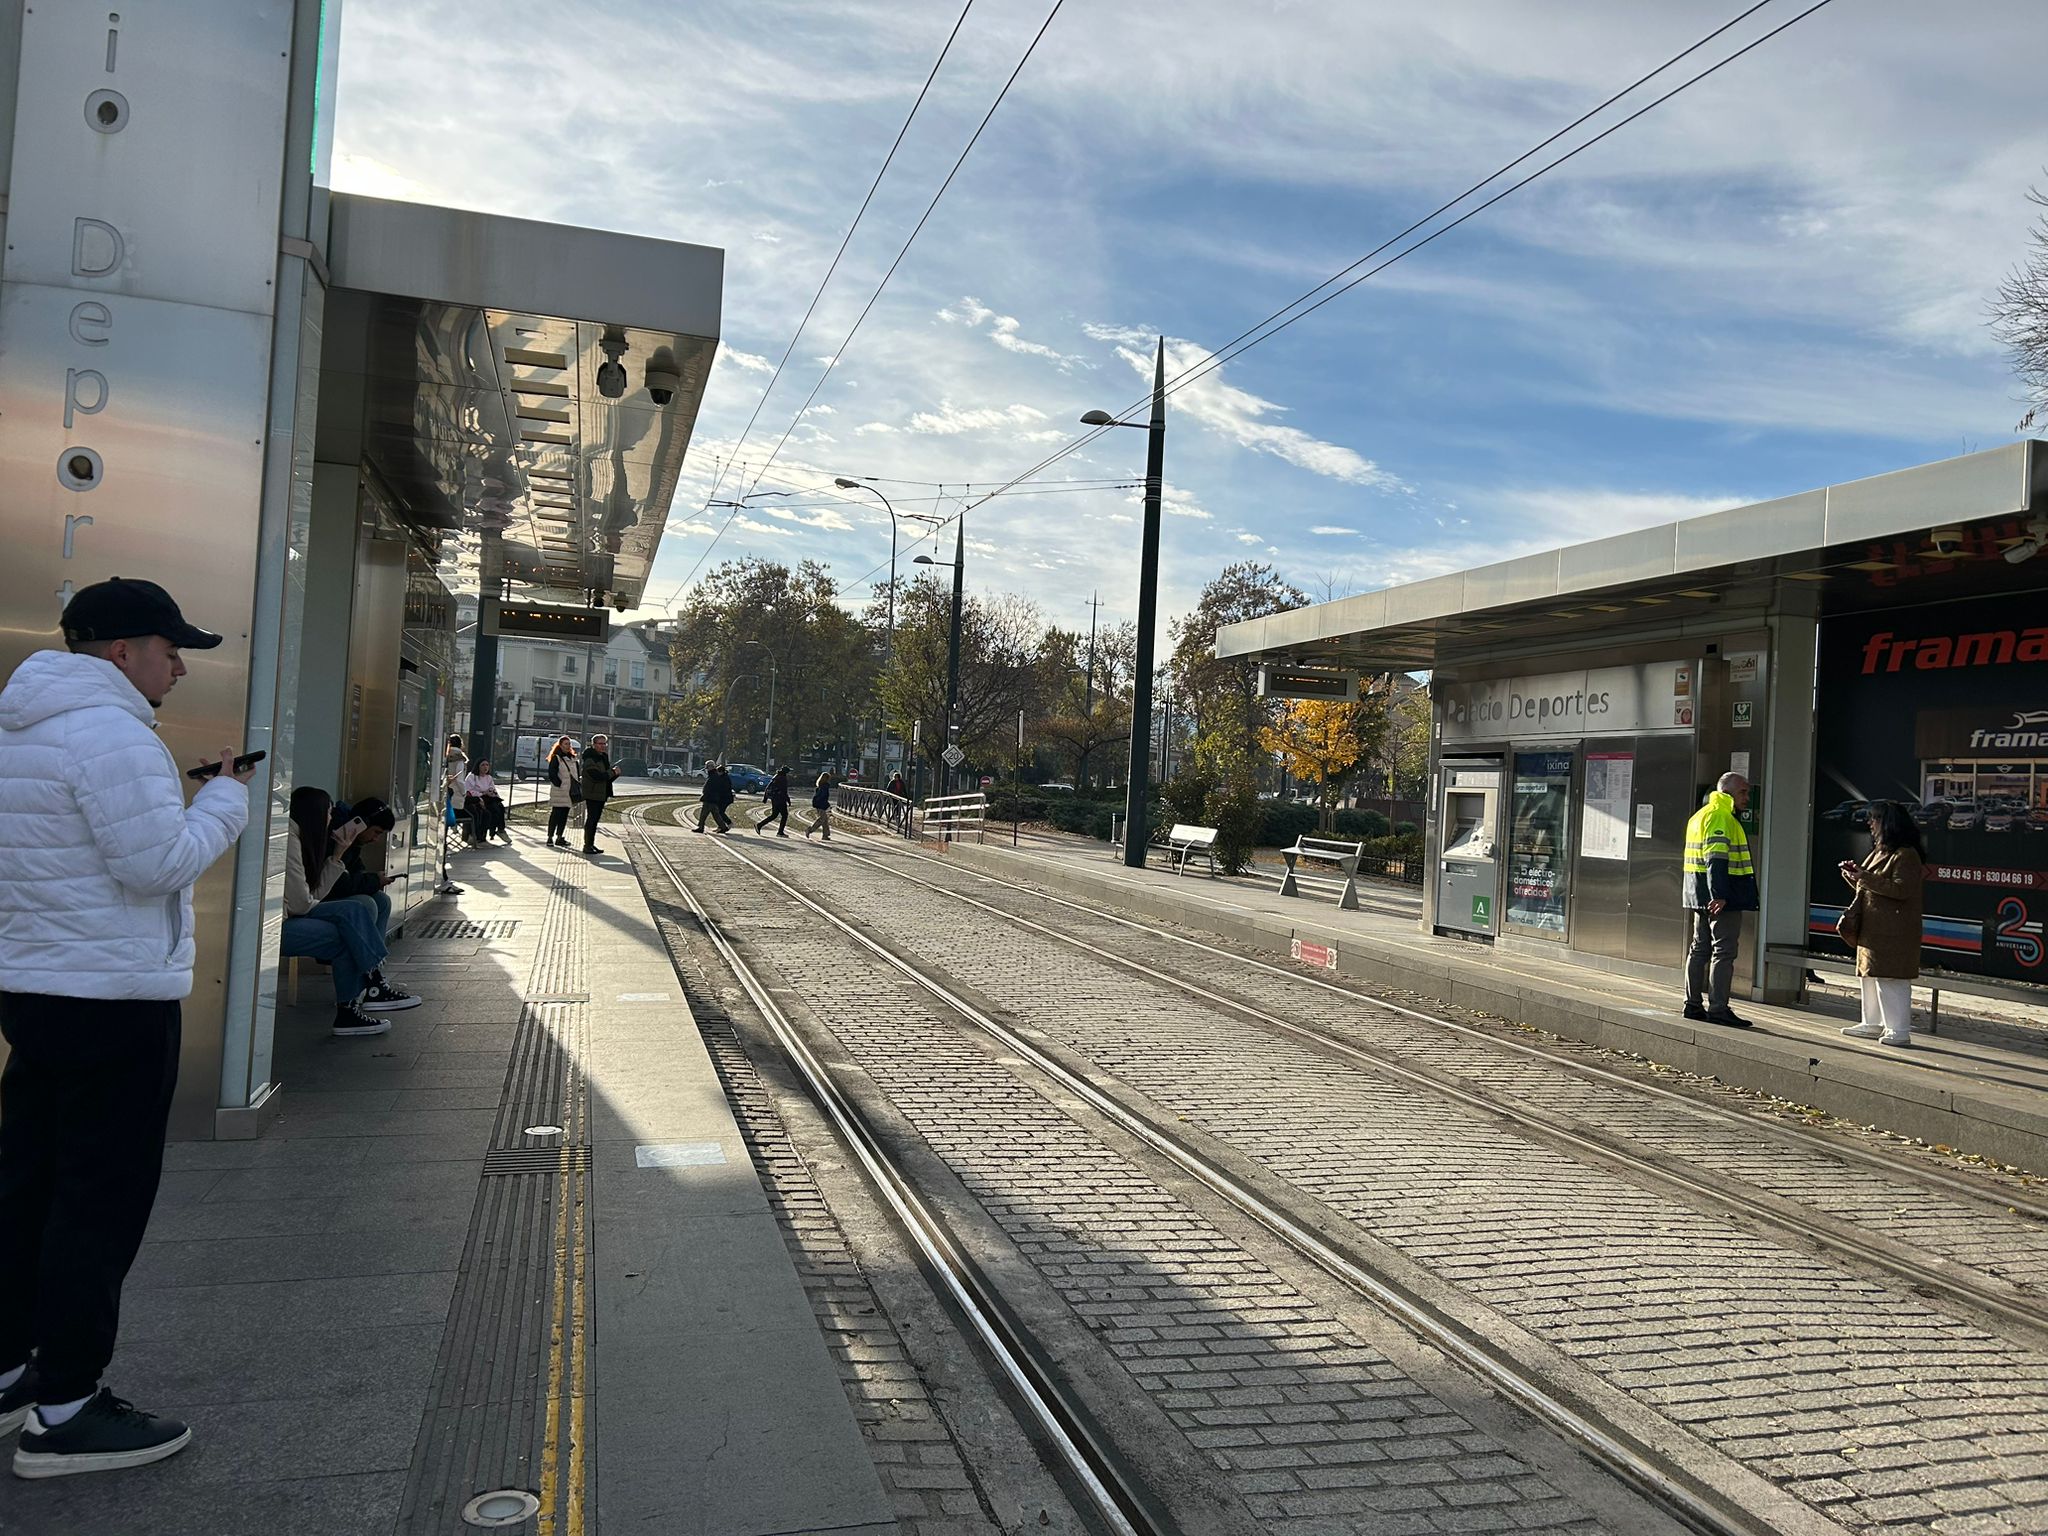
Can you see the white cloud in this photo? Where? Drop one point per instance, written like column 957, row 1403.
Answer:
column 1240, row 416
column 748, row 361
column 754, row 525
column 766, row 238
column 692, row 527
column 1330, row 531
column 872, row 428
column 1174, row 502
column 949, row 420
column 826, row 518
column 1246, row 538
column 1004, row 331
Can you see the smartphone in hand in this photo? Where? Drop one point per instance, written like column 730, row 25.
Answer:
column 243, row 764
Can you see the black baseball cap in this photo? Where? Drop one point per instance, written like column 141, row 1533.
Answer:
column 122, row 609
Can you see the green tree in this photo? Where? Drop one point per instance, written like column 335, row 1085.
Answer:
column 1000, row 639
column 752, row 627
column 1086, row 718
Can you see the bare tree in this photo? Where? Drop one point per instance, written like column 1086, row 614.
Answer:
column 2019, row 316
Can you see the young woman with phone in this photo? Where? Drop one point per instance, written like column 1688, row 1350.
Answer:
column 345, row 932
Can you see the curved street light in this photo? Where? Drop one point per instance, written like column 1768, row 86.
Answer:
column 882, row 714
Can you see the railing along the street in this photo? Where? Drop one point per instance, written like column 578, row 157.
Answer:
column 954, row 816
column 892, row 812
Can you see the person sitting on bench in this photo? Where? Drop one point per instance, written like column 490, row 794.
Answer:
column 345, row 932
column 378, row 821
column 481, row 804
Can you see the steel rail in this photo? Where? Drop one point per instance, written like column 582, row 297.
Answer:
column 1690, row 1500
column 1817, row 1140
column 2017, row 1312
column 1123, row 1504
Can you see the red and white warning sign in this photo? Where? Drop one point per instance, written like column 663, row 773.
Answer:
column 1324, row 955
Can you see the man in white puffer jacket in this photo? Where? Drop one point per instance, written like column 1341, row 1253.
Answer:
column 98, row 854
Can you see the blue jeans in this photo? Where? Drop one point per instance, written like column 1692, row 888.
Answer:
column 348, row 934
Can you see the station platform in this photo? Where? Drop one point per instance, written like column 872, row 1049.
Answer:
column 399, row 1297
column 1979, row 1085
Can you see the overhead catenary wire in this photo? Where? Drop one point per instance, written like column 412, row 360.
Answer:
column 917, row 229
column 825, row 281
column 1295, row 311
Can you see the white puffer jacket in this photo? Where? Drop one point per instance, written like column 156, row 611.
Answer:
column 98, row 850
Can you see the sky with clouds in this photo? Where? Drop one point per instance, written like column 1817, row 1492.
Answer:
column 1774, row 282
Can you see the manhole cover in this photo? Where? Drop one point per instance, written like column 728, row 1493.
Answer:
column 504, row 1506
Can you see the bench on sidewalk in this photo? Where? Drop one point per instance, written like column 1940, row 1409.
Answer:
column 1325, row 850
column 1185, row 839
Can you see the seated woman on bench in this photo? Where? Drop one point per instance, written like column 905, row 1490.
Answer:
column 347, row 932
column 481, row 804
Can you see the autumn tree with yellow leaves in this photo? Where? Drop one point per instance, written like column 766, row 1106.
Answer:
column 1324, row 740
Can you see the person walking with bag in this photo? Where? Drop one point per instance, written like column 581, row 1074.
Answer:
column 777, row 796
column 565, row 781
column 98, row 855
column 1883, row 921
column 598, row 778
column 821, row 802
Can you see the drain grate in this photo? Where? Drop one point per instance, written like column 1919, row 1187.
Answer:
column 464, row 928
column 516, row 1160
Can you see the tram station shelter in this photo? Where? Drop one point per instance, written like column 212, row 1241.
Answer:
column 316, row 419
column 1881, row 639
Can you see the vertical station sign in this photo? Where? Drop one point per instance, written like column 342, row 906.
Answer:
column 136, row 304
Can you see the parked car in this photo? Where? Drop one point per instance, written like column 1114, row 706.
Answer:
column 1965, row 816
column 746, row 778
column 664, row 771
column 1855, row 812
column 2005, row 815
column 1932, row 813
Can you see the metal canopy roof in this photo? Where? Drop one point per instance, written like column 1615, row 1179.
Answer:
column 1864, row 544
column 462, row 360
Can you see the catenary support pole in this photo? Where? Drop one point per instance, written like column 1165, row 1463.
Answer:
column 1140, row 784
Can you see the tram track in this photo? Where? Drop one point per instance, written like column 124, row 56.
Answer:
column 1675, row 1484
column 2012, row 1306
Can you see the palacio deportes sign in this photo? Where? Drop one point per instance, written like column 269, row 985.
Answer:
column 1602, row 701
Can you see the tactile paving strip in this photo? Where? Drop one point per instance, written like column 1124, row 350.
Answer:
column 463, row 928
column 505, row 1407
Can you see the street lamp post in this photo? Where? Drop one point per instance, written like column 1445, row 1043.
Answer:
column 1135, row 793
column 768, row 750
column 725, row 716
column 881, row 713
column 959, row 564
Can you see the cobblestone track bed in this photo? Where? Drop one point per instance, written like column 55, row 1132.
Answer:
column 1314, row 1430
column 1970, row 1233
column 1853, row 1395
column 931, row 1489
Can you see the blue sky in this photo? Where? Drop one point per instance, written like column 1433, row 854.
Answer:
column 1775, row 282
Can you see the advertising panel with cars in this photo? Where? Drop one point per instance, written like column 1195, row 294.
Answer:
column 1944, row 709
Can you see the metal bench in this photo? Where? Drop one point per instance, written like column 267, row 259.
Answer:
column 1325, row 850
column 1185, row 839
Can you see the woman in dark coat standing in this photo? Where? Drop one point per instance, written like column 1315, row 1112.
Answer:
column 1883, row 922
column 777, row 796
column 598, row 776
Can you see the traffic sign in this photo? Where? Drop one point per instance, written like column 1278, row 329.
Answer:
column 954, row 756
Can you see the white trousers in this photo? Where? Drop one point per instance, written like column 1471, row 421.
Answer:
column 1888, row 1001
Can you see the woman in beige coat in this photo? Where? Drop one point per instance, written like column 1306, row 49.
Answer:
column 1883, row 922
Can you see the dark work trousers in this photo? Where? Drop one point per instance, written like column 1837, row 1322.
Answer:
column 593, row 812
column 716, row 813
column 778, row 812
column 84, row 1102
column 1710, row 963
column 558, row 822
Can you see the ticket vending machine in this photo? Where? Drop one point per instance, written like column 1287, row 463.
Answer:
column 1468, row 868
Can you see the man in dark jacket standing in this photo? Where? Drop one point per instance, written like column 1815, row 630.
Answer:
column 597, row 789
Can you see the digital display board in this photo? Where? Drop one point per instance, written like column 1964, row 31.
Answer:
column 534, row 621
column 1304, row 683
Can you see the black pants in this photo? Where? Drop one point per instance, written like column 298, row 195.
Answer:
column 716, row 812
column 558, row 822
column 593, row 812
column 84, row 1102
column 489, row 814
column 778, row 811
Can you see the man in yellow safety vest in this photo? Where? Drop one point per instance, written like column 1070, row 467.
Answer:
column 1720, row 885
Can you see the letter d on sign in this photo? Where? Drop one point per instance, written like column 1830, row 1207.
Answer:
column 96, row 248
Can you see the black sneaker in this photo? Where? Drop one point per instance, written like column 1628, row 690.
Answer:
column 349, row 1019
column 108, row 1432
column 1726, row 1017
column 382, row 997
column 16, row 1401
column 1696, row 1011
